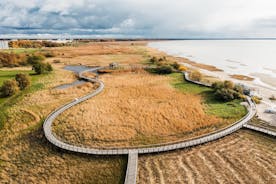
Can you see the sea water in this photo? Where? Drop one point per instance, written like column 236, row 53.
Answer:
column 245, row 57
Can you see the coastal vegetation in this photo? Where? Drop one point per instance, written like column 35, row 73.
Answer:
column 137, row 107
column 227, row 91
column 231, row 110
column 162, row 65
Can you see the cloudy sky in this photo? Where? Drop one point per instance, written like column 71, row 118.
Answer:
column 138, row 18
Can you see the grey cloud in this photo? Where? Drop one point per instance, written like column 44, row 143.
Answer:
column 139, row 18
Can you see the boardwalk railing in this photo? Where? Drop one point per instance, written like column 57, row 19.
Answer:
column 154, row 148
column 259, row 129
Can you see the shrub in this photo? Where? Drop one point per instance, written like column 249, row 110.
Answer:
column 228, row 91
column 229, row 84
column 49, row 67
column 153, row 60
column 256, row 99
column 9, row 88
column 41, row 68
column 56, row 61
column 164, row 69
column 175, row 65
column 23, row 80
column 35, row 59
column 49, row 54
column 239, row 89
column 183, row 68
column 226, row 94
column 217, row 85
column 195, row 75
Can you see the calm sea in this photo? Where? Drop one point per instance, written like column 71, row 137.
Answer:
column 247, row 57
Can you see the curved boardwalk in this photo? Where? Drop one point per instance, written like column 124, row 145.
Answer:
column 259, row 129
column 120, row 151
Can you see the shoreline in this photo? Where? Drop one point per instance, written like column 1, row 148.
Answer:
column 258, row 84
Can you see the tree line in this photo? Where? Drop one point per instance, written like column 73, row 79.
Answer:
column 22, row 81
column 22, row 59
column 34, row 44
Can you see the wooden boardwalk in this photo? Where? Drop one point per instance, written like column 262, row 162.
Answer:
column 259, row 129
column 133, row 152
column 132, row 166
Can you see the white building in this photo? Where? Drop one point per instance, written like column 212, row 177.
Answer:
column 4, row 44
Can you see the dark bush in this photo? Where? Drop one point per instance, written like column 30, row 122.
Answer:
column 153, row 60
column 164, row 69
column 227, row 91
column 41, row 68
column 9, row 88
column 225, row 94
column 175, row 65
column 23, row 80
column 49, row 54
column 49, row 67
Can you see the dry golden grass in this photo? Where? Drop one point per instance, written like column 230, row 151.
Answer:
column 134, row 109
column 243, row 157
column 94, row 54
column 27, row 157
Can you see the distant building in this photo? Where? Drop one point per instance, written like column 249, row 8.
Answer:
column 4, row 44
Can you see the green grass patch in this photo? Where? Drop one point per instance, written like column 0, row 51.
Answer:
column 22, row 50
column 7, row 102
column 227, row 110
column 10, row 74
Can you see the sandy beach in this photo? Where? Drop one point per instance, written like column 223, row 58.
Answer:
column 264, row 92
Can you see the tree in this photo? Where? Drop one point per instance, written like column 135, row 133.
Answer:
column 23, row 80
column 9, row 88
column 41, row 68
